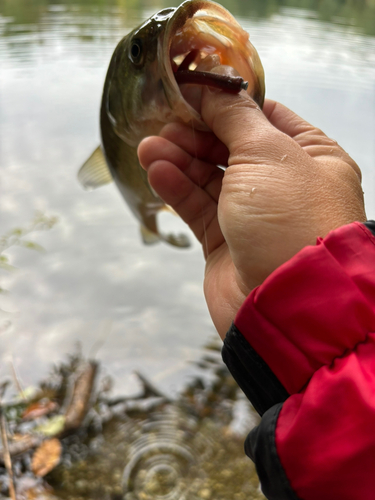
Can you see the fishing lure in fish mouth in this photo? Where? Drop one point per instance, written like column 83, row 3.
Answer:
column 155, row 77
column 183, row 74
column 232, row 84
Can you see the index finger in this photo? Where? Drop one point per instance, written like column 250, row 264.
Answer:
column 313, row 140
column 285, row 120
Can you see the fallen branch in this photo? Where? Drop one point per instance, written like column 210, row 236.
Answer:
column 81, row 397
column 149, row 388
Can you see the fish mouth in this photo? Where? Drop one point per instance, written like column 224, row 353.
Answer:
column 204, row 45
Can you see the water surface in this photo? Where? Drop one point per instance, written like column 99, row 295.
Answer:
column 137, row 307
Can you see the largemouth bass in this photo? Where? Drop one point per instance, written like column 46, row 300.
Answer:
column 151, row 70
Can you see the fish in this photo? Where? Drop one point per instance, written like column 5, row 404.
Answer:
column 152, row 78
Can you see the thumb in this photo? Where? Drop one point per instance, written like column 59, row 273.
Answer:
column 239, row 123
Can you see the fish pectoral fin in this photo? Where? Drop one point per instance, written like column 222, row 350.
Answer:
column 149, row 237
column 95, row 172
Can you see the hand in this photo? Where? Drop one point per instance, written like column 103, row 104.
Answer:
column 286, row 184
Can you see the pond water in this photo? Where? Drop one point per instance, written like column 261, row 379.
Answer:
column 137, row 307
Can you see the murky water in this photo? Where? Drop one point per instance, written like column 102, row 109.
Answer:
column 136, row 307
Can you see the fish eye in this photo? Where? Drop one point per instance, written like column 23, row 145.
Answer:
column 136, row 51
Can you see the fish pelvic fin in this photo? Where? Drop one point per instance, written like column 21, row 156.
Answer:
column 149, row 237
column 176, row 240
column 95, row 172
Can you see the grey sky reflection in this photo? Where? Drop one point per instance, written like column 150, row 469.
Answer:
column 97, row 282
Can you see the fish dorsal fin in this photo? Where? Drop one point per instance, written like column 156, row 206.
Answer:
column 95, row 172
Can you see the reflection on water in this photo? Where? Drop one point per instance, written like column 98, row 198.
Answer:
column 96, row 282
column 138, row 308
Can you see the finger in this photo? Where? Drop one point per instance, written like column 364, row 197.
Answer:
column 194, row 205
column 205, row 175
column 203, row 145
column 310, row 138
column 285, row 120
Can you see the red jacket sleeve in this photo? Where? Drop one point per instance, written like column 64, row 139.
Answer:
column 312, row 326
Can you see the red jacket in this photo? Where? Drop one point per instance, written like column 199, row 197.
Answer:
column 302, row 348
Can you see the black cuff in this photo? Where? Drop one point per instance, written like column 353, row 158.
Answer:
column 260, row 446
column 370, row 224
column 252, row 374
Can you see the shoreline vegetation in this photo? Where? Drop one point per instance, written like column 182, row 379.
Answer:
column 30, row 15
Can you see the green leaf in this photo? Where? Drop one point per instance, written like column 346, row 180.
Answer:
column 53, row 427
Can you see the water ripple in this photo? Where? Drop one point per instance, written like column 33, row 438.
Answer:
column 164, row 458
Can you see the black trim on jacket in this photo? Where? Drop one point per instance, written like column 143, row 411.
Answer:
column 252, row 374
column 267, row 394
column 370, row 224
column 260, row 446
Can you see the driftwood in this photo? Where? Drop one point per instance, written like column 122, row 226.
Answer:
column 81, row 397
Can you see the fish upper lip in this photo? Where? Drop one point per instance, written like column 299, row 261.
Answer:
column 180, row 19
column 210, row 19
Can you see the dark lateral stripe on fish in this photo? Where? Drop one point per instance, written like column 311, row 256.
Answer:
column 233, row 84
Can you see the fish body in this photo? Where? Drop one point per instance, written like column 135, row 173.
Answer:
column 141, row 95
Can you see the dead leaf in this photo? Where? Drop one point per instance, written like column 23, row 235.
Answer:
column 46, row 457
column 39, row 409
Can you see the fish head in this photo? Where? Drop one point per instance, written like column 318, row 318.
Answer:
column 141, row 93
column 133, row 89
